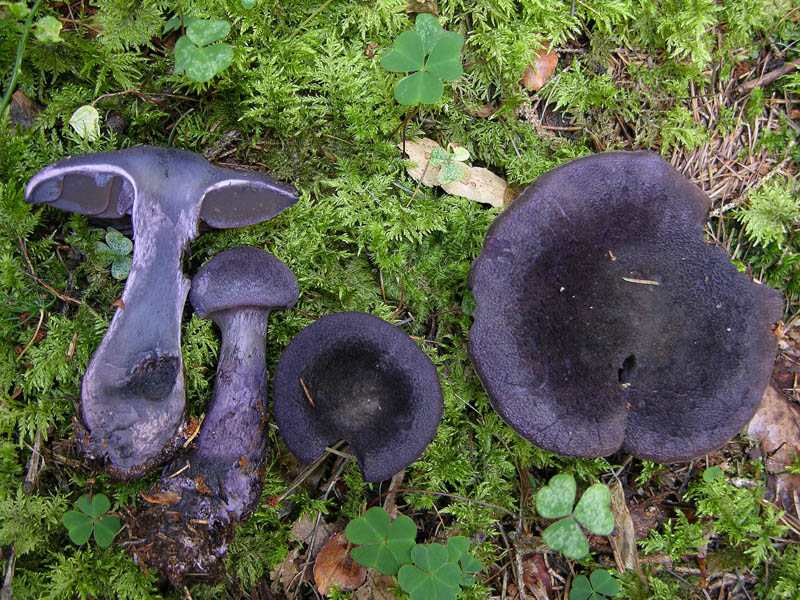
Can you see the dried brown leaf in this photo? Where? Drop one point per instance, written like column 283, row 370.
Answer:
column 623, row 539
column 335, row 567
column 303, row 531
column 541, row 68
column 536, row 577
column 776, row 426
column 478, row 184
column 376, row 587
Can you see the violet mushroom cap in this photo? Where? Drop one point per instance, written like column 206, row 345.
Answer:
column 370, row 385
column 604, row 320
column 219, row 481
column 133, row 395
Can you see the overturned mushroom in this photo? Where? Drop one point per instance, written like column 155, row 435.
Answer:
column 187, row 520
column 354, row 376
column 605, row 321
column 133, row 393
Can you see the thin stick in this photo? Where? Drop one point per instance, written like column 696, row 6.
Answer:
column 307, row 393
column 311, row 16
column 303, row 475
column 7, row 593
column 33, row 339
column 768, row 78
column 641, row 281
column 33, row 466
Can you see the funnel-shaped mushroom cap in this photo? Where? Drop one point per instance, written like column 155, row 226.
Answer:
column 243, row 277
column 370, row 385
column 605, row 321
column 105, row 184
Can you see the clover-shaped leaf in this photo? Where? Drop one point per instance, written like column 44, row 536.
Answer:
column 115, row 253
column 602, row 585
column 200, row 54
column 451, row 171
column 554, row 501
column 383, row 545
column 80, row 525
column 565, row 536
column 429, row 30
column 432, row 576
column 458, row 552
column 204, row 32
column 408, row 54
column 593, row 512
column 48, row 29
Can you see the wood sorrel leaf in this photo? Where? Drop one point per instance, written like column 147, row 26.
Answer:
column 420, row 87
column 556, row 498
column 566, row 537
column 445, row 58
column 405, row 55
column 593, row 510
column 429, row 31
column 203, row 32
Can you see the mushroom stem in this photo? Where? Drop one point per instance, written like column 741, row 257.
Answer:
column 136, row 375
column 229, row 449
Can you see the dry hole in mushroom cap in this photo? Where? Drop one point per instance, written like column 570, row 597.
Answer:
column 604, row 320
column 365, row 382
column 133, row 394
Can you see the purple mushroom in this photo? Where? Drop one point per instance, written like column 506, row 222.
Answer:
column 604, row 320
column 355, row 377
column 186, row 524
column 133, row 395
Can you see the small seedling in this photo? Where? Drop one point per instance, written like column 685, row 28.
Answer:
column 423, row 571
column 48, row 29
column 598, row 586
column 430, row 55
column 451, row 159
column 711, row 474
column 116, row 253
column 200, row 53
column 81, row 524
column 555, row 500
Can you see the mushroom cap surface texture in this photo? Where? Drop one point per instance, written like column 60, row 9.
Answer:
column 604, row 321
column 243, row 277
column 370, row 384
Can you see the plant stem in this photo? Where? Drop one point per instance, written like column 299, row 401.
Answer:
column 20, row 50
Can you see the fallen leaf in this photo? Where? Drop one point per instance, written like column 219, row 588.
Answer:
column 536, row 577
column 776, row 426
column 163, row 498
column 376, row 587
column 335, row 567
column 541, row 68
column 285, row 573
column 483, row 112
column 303, row 530
column 23, row 110
column 623, row 539
column 478, row 184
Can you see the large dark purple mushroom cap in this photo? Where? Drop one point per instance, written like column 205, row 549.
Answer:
column 370, row 385
column 604, row 320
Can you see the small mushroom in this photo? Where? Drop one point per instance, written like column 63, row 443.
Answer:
column 218, row 482
column 355, row 377
column 604, row 320
column 133, row 394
